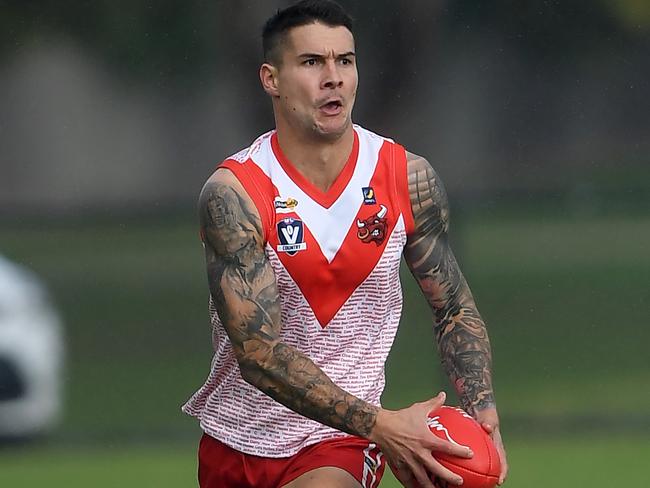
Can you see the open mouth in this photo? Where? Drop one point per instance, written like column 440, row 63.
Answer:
column 332, row 107
column 333, row 104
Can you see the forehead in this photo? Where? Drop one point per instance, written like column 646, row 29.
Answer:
column 319, row 38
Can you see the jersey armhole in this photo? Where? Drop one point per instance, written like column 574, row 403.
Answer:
column 242, row 173
column 400, row 168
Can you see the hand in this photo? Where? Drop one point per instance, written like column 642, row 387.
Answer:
column 406, row 441
column 489, row 420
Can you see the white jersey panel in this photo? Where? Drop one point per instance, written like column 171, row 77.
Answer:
column 329, row 226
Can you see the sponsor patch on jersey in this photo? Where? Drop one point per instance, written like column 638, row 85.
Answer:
column 284, row 205
column 291, row 236
column 368, row 195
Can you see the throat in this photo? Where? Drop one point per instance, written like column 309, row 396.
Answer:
column 319, row 164
column 322, row 174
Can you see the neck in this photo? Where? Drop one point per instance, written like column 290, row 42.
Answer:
column 319, row 161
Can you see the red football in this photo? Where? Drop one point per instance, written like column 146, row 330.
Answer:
column 455, row 425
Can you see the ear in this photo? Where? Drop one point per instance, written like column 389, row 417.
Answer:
column 269, row 79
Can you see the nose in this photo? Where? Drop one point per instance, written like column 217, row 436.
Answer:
column 331, row 76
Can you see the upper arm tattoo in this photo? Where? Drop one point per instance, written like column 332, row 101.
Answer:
column 240, row 278
column 243, row 286
column 459, row 329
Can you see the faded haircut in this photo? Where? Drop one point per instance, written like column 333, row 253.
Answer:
column 302, row 13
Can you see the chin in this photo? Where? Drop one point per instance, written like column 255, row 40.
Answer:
column 332, row 131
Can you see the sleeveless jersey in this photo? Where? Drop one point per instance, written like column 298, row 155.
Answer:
column 336, row 258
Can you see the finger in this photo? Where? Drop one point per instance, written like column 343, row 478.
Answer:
column 504, row 466
column 488, row 428
column 404, row 475
column 504, row 474
column 438, row 483
column 405, row 480
column 439, row 471
column 422, row 477
column 409, row 481
column 502, row 456
column 451, row 448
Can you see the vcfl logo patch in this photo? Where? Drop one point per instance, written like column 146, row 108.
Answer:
column 291, row 236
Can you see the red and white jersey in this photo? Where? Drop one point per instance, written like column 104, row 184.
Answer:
column 336, row 257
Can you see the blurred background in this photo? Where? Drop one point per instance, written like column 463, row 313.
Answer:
column 112, row 115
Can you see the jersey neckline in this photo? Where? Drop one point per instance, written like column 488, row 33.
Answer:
column 324, row 199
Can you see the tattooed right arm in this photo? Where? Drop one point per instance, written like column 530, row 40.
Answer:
column 244, row 290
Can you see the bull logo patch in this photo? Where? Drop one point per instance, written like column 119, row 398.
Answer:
column 373, row 229
column 291, row 236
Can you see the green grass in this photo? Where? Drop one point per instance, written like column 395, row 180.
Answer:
column 565, row 298
column 593, row 463
column 598, row 462
column 110, row 467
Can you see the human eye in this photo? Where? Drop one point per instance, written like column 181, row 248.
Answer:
column 310, row 62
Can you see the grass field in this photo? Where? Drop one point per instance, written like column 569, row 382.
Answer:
column 600, row 462
column 566, row 300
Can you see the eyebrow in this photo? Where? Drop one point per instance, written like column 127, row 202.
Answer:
column 314, row 55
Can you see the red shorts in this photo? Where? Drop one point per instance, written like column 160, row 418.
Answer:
column 221, row 466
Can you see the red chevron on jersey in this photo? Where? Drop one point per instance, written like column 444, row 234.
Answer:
column 328, row 283
column 339, row 234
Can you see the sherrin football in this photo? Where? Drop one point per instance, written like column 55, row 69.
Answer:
column 455, row 425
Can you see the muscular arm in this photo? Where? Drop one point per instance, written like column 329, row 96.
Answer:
column 243, row 287
column 459, row 330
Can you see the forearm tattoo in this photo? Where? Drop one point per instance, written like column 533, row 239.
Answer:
column 458, row 328
column 243, row 287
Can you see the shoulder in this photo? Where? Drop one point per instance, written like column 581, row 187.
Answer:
column 419, row 166
column 426, row 190
column 225, row 206
column 221, row 182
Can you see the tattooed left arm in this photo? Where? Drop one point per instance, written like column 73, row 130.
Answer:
column 459, row 330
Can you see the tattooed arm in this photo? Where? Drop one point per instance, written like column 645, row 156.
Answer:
column 243, row 287
column 459, row 330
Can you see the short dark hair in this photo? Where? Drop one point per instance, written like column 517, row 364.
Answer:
column 302, row 13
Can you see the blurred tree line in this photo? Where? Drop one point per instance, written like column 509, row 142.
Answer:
column 508, row 96
column 181, row 40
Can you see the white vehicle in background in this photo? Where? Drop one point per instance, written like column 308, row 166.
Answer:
column 31, row 355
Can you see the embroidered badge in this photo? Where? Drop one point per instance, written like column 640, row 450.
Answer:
column 284, row 205
column 373, row 229
column 291, row 236
column 368, row 195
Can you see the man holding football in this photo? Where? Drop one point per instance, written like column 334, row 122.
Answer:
column 303, row 234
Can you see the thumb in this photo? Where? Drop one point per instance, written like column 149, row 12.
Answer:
column 436, row 402
column 489, row 428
